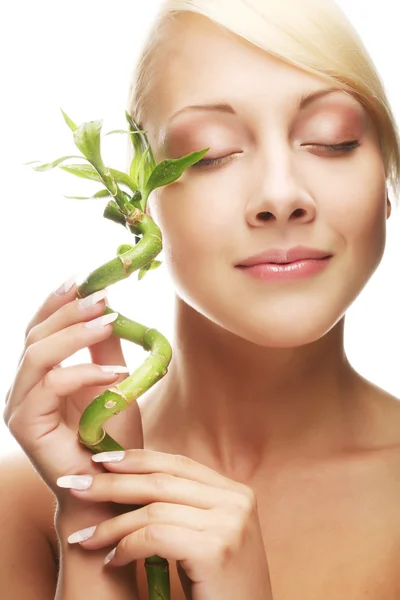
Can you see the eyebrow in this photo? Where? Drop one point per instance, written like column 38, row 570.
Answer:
column 224, row 107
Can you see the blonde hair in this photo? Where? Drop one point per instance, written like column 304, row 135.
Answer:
column 315, row 37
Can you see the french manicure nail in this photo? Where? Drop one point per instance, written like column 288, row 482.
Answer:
column 113, row 456
column 76, row 482
column 114, row 369
column 82, row 535
column 91, row 300
column 102, row 321
column 110, row 556
column 66, row 286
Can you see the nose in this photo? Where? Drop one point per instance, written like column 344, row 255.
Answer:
column 279, row 197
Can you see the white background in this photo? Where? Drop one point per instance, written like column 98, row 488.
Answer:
column 78, row 55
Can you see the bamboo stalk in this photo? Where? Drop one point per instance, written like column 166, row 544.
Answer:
column 145, row 175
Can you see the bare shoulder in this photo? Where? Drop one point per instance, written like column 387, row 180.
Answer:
column 28, row 493
column 378, row 462
column 27, row 557
column 19, row 474
column 384, row 418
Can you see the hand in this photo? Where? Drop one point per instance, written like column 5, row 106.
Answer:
column 206, row 522
column 46, row 401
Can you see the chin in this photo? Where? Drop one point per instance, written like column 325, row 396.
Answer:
column 291, row 337
column 283, row 331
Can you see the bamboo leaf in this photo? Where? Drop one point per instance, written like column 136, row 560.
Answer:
column 84, row 171
column 155, row 264
column 171, row 169
column 134, row 168
column 142, row 171
column 100, row 194
column 124, row 248
column 121, row 131
column 124, row 178
column 149, row 267
column 139, row 141
column 148, row 168
column 87, row 171
column 142, row 272
column 78, row 197
column 87, row 139
column 69, row 121
column 136, row 198
column 141, row 144
column 55, row 163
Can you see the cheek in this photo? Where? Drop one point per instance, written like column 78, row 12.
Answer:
column 189, row 228
column 356, row 211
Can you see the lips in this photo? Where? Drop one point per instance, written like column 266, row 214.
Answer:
column 284, row 256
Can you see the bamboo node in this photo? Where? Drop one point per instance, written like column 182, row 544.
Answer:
column 93, row 443
column 126, row 263
column 134, row 216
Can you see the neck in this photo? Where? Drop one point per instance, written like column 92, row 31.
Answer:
column 238, row 406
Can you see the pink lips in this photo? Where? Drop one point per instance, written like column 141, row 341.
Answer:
column 284, row 256
column 281, row 265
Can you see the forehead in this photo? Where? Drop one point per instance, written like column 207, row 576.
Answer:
column 198, row 61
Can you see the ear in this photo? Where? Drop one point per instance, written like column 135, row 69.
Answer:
column 388, row 207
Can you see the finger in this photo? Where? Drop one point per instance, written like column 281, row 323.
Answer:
column 150, row 461
column 39, row 410
column 168, row 541
column 113, row 530
column 70, row 313
column 155, row 487
column 52, row 303
column 42, row 356
column 108, row 351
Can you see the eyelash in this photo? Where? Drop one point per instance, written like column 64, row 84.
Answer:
column 344, row 147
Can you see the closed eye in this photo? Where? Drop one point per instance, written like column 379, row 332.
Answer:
column 332, row 148
column 208, row 162
column 343, row 147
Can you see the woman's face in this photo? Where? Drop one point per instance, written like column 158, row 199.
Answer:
column 276, row 187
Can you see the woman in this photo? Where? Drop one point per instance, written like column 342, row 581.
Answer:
column 260, row 395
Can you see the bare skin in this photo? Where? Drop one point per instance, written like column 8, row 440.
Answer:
column 260, row 367
column 331, row 527
column 260, row 388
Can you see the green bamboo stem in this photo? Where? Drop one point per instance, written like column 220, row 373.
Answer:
column 111, row 402
column 126, row 263
column 113, row 213
column 145, row 175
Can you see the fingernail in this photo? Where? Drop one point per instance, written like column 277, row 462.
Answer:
column 76, row 482
column 110, row 556
column 66, row 286
column 102, row 321
column 114, row 369
column 91, row 300
column 113, row 456
column 82, row 535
